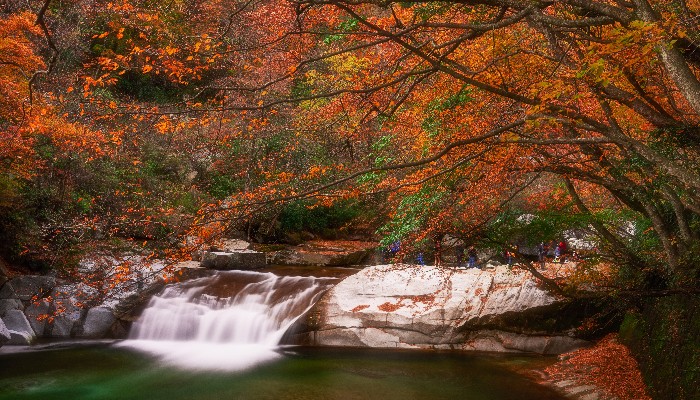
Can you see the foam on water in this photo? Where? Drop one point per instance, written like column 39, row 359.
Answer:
column 230, row 321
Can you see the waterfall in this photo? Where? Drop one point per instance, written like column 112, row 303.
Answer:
column 229, row 321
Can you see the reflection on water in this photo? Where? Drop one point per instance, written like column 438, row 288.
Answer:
column 301, row 374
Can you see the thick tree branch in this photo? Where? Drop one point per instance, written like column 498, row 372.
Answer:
column 54, row 51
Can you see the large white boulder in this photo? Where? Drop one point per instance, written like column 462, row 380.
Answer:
column 409, row 306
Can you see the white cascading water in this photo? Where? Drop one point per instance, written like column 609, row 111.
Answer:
column 229, row 321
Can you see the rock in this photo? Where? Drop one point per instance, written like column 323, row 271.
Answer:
column 66, row 313
column 37, row 315
column 62, row 326
column 225, row 246
column 21, row 332
column 245, row 260
column 231, row 245
column 28, row 286
column 8, row 292
column 4, row 272
column 98, row 323
column 10, row 304
column 394, row 306
column 335, row 253
column 186, row 270
column 129, row 308
column 21, row 338
column 119, row 330
column 506, row 342
column 5, row 335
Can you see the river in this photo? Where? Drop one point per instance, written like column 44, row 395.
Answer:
column 218, row 338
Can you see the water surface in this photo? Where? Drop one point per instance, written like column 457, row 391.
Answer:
column 118, row 373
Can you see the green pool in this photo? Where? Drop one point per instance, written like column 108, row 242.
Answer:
column 108, row 372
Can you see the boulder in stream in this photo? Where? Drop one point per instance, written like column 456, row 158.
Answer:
column 409, row 306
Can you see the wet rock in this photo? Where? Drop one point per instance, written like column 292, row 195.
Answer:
column 119, row 330
column 506, row 342
column 129, row 308
column 98, row 323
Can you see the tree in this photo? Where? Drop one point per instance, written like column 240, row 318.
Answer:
column 444, row 112
column 474, row 101
column 479, row 98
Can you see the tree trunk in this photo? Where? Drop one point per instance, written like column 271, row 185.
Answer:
column 673, row 61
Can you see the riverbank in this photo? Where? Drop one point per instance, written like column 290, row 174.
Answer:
column 606, row 371
column 496, row 309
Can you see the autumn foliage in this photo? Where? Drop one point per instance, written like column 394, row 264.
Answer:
column 155, row 122
column 160, row 127
column 608, row 365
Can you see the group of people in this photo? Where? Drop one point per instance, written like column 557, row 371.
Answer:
column 560, row 252
column 470, row 255
column 512, row 252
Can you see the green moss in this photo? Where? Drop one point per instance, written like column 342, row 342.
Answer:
column 665, row 338
column 629, row 329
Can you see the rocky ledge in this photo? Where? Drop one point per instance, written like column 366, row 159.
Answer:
column 323, row 253
column 409, row 306
column 35, row 306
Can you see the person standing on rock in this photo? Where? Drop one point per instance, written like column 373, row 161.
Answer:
column 438, row 251
column 508, row 255
column 562, row 250
column 459, row 250
column 393, row 250
column 471, row 253
column 542, row 254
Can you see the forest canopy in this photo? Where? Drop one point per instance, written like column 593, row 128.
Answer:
column 154, row 121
